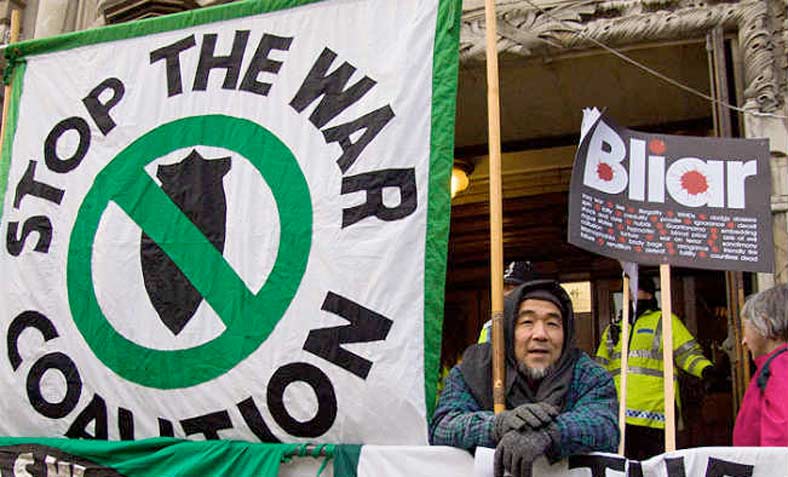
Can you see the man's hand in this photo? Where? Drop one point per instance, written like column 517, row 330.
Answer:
column 713, row 380
column 517, row 451
column 530, row 416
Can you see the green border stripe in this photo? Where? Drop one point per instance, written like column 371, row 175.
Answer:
column 445, row 63
column 10, row 131
column 166, row 456
column 346, row 457
column 176, row 21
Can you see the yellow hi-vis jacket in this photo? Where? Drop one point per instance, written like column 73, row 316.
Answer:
column 645, row 381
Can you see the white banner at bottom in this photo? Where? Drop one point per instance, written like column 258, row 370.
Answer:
column 697, row 462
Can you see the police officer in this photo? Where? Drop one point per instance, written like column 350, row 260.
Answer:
column 645, row 407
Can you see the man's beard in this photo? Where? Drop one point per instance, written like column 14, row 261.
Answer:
column 534, row 374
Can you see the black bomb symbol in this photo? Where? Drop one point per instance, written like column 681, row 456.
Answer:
column 195, row 186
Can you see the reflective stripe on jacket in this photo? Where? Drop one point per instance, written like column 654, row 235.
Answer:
column 645, row 381
column 486, row 333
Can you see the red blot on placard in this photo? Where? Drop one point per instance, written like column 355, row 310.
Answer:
column 657, row 146
column 694, row 182
column 604, row 171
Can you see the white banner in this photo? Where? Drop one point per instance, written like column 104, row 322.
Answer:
column 230, row 223
column 697, row 462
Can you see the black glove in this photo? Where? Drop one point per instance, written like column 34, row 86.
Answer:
column 713, row 380
column 517, row 451
column 531, row 416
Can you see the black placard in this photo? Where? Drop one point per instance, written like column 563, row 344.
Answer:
column 686, row 201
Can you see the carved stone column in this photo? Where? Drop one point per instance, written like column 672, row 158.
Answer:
column 89, row 15
column 54, row 17
column 775, row 130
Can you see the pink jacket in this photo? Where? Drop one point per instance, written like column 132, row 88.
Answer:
column 763, row 417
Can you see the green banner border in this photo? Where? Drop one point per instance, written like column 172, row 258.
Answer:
column 445, row 65
column 444, row 87
column 163, row 456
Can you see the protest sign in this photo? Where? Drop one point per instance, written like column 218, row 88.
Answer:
column 661, row 199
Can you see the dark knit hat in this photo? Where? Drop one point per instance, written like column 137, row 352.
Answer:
column 518, row 272
column 647, row 285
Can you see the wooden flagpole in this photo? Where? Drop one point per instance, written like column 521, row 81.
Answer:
column 622, row 403
column 16, row 20
column 496, row 214
column 667, row 358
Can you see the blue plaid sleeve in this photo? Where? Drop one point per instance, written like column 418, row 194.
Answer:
column 458, row 420
column 590, row 421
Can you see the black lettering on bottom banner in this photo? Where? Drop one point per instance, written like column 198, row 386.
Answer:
column 723, row 468
column 597, row 464
column 34, row 460
column 675, row 466
column 320, row 384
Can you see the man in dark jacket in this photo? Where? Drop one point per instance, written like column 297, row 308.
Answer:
column 559, row 401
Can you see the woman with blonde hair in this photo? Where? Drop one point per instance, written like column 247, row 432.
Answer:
column 763, row 417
